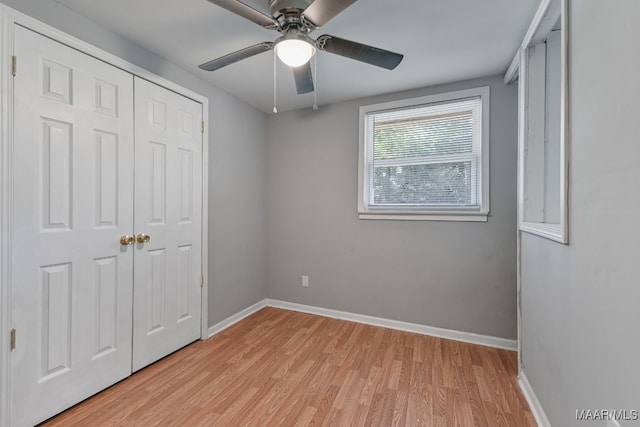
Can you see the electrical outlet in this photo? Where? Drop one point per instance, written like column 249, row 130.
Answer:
column 612, row 423
column 305, row 281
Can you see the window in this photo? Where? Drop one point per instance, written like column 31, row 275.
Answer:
column 426, row 158
column 542, row 191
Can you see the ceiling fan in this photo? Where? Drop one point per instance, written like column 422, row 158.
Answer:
column 295, row 19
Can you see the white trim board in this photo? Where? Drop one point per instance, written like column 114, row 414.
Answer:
column 231, row 320
column 468, row 337
column 450, row 334
column 6, row 40
column 532, row 400
column 546, row 16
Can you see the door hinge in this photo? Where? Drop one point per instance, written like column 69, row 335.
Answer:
column 201, row 281
column 202, row 126
column 12, row 340
column 14, row 65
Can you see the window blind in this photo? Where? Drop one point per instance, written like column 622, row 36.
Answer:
column 426, row 155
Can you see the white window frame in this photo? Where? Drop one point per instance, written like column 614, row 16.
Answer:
column 417, row 212
column 546, row 16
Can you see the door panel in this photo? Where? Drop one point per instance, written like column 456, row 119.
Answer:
column 71, row 278
column 168, row 208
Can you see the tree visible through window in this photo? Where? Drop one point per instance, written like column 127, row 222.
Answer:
column 421, row 157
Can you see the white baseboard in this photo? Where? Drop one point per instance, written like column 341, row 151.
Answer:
column 532, row 400
column 467, row 337
column 220, row 326
column 450, row 334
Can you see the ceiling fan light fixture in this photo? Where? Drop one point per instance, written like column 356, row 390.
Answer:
column 295, row 52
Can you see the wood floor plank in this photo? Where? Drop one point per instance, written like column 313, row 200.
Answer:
column 284, row 368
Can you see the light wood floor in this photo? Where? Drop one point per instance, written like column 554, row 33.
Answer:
column 283, row 368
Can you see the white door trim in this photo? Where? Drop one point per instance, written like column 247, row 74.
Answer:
column 10, row 18
column 6, row 174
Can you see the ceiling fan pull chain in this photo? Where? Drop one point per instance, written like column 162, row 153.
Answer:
column 315, row 75
column 275, row 110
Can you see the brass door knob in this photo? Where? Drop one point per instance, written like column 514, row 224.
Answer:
column 127, row 240
column 143, row 238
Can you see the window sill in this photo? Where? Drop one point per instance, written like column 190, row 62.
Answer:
column 427, row 216
column 555, row 232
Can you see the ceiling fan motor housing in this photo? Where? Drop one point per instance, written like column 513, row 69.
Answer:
column 281, row 6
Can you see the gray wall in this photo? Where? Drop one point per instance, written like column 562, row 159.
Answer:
column 236, row 143
column 453, row 275
column 581, row 303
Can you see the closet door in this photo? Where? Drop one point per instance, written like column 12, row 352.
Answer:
column 73, row 178
column 168, row 211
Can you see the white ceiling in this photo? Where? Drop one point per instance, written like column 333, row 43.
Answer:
column 442, row 40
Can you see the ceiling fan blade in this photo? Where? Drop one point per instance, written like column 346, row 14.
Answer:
column 239, row 55
column 304, row 78
column 359, row 52
column 322, row 11
column 246, row 12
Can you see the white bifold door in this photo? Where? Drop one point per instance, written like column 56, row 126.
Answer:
column 168, row 208
column 106, row 242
